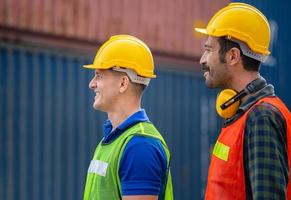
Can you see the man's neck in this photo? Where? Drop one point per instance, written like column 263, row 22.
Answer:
column 121, row 114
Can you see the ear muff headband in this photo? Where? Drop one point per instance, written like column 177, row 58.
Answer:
column 228, row 100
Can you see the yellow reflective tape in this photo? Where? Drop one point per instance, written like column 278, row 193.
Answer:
column 141, row 128
column 221, row 151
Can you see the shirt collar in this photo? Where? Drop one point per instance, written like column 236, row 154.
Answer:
column 109, row 134
column 266, row 91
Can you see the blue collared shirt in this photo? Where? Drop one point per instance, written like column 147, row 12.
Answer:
column 143, row 165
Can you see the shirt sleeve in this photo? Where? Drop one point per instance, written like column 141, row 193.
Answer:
column 143, row 167
column 265, row 157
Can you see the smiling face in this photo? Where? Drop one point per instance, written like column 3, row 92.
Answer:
column 216, row 72
column 105, row 85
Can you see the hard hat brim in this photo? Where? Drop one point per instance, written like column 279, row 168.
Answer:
column 92, row 66
column 201, row 30
column 89, row 66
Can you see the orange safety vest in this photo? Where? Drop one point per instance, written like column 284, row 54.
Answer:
column 226, row 178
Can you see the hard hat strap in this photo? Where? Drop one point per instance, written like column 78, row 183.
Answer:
column 133, row 76
column 248, row 52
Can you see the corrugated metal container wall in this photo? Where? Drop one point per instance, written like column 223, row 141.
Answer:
column 49, row 129
column 47, row 124
column 277, row 70
column 167, row 26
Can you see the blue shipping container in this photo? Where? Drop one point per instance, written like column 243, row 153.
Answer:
column 49, row 130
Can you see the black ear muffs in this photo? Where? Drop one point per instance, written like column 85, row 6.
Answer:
column 228, row 101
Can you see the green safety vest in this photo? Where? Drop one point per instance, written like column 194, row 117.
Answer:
column 103, row 182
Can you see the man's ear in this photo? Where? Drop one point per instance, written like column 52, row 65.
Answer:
column 233, row 56
column 124, row 84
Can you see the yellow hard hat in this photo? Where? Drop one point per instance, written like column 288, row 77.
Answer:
column 241, row 22
column 127, row 52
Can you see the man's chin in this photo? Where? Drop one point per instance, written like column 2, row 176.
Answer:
column 96, row 106
column 209, row 84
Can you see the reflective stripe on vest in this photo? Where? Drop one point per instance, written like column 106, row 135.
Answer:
column 226, row 178
column 103, row 180
column 221, row 151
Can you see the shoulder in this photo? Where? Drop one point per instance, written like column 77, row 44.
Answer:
column 145, row 148
column 143, row 166
column 265, row 112
column 265, row 123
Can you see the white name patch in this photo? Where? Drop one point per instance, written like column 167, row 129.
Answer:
column 98, row 167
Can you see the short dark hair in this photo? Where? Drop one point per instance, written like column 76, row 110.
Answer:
column 249, row 64
column 139, row 88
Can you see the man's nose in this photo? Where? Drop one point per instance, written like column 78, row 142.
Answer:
column 92, row 84
column 203, row 59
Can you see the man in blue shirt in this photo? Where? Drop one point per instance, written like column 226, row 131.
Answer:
column 132, row 160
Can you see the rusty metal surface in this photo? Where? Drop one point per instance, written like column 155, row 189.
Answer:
column 167, row 26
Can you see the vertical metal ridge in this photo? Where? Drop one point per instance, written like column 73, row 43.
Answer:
column 52, row 129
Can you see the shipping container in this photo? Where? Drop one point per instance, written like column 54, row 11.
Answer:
column 167, row 26
column 49, row 129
